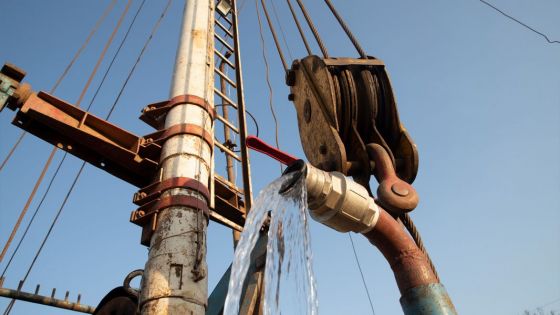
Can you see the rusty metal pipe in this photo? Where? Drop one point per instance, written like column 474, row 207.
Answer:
column 421, row 292
column 409, row 264
column 340, row 204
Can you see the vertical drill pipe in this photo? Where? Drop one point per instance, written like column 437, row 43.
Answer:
column 246, row 167
column 421, row 292
column 175, row 280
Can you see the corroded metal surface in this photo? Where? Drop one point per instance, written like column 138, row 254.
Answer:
column 117, row 151
column 410, row 266
column 344, row 104
column 46, row 300
column 430, row 299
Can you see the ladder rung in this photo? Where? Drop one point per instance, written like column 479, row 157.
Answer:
column 223, row 75
column 221, row 40
column 227, row 123
column 230, row 185
column 224, row 29
column 225, row 98
column 226, row 150
column 222, row 57
column 224, row 17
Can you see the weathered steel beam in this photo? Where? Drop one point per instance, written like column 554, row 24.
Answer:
column 121, row 153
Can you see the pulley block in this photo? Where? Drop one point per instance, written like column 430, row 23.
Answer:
column 345, row 105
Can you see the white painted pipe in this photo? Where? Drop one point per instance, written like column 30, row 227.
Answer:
column 169, row 285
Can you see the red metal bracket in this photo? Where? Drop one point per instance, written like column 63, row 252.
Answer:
column 140, row 216
column 121, row 153
column 154, row 114
column 146, row 215
column 154, row 191
column 159, row 137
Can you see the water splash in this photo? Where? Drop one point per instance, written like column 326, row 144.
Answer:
column 289, row 283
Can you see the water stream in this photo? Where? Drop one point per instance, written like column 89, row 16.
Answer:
column 289, row 283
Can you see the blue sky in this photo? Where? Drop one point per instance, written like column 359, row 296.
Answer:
column 479, row 94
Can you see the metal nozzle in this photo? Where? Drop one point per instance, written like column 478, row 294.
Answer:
column 334, row 200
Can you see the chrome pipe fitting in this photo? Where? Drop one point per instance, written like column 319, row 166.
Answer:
column 335, row 200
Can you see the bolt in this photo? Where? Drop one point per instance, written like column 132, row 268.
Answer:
column 291, row 97
column 400, row 189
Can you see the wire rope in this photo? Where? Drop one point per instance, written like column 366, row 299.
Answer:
column 300, row 30
column 313, row 29
column 66, row 153
column 274, row 36
column 521, row 23
column 361, row 274
column 267, row 72
column 346, row 29
column 54, row 150
column 274, row 11
column 10, row 306
column 411, row 227
column 63, row 75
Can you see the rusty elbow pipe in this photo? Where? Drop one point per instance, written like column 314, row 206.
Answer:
column 409, row 264
column 346, row 206
column 421, row 292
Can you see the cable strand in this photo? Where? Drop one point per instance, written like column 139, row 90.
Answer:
column 274, row 11
column 65, row 153
column 361, row 274
column 274, row 37
column 267, row 69
column 39, row 180
column 346, row 30
column 313, row 29
column 300, row 30
column 521, row 23
column 10, row 306
column 64, row 73
column 411, row 227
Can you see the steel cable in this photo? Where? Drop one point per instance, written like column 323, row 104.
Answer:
column 53, row 151
column 273, row 32
column 274, row 11
column 66, row 153
column 313, row 29
column 361, row 273
column 86, row 87
column 300, row 30
column 521, row 23
column 346, row 29
column 267, row 69
column 63, row 75
column 411, row 227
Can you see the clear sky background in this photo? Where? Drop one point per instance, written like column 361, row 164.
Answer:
column 479, row 94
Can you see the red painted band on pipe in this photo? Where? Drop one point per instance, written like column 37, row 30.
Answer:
column 410, row 266
column 263, row 147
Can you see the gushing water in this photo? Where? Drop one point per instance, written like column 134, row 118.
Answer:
column 289, row 283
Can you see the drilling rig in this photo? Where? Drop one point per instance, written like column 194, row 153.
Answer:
column 349, row 127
